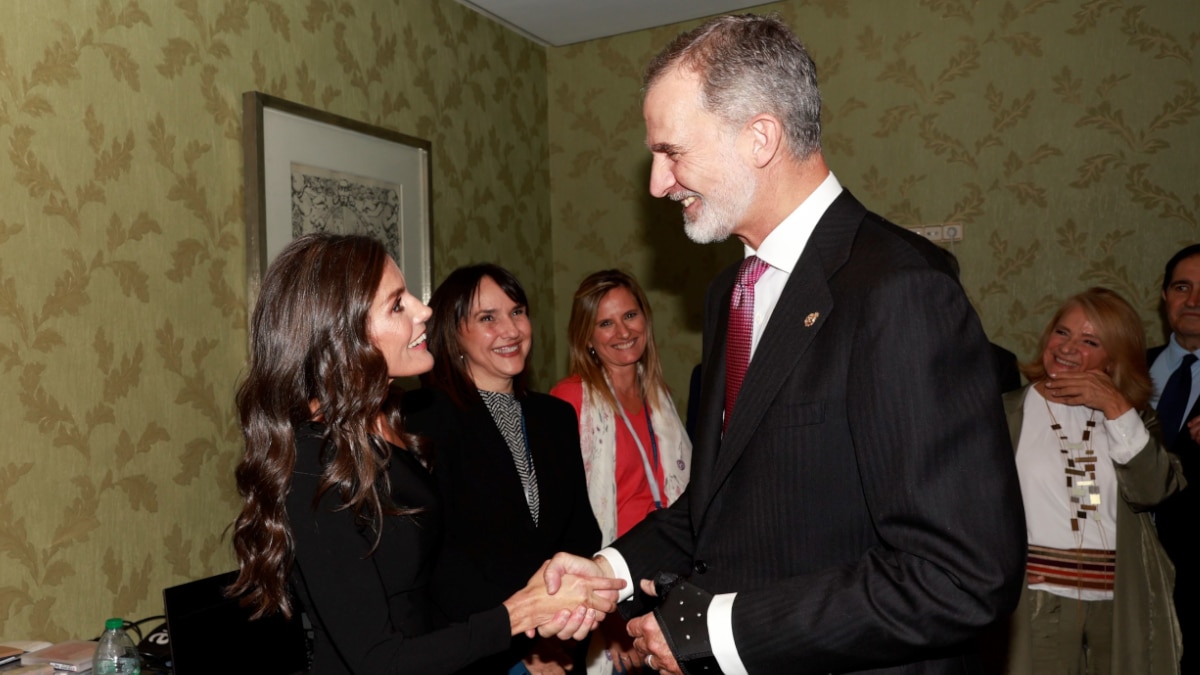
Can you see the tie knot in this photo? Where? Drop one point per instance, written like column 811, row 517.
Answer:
column 752, row 269
column 1188, row 360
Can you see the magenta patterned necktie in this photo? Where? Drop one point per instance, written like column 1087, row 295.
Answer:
column 741, row 330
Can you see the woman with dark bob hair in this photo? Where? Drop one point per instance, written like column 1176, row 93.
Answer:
column 635, row 450
column 338, row 506
column 1098, row 598
column 506, row 460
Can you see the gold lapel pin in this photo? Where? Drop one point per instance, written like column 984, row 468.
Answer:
column 811, row 319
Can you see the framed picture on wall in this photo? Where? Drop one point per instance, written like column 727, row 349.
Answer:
column 308, row 170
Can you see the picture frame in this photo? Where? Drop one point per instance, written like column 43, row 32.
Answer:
column 310, row 170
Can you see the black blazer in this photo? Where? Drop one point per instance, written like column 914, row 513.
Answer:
column 369, row 604
column 491, row 547
column 863, row 502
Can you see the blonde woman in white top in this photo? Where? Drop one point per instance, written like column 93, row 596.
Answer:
column 1098, row 598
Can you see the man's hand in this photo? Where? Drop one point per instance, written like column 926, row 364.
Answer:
column 584, row 600
column 576, row 625
column 648, row 639
column 1193, row 428
column 565, row 563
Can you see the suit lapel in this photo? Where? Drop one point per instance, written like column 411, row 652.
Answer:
column 507, row 482
column 803, row 309
column 783, row 343
column 541, row 449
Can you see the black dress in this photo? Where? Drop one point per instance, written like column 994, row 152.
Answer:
column 372, row 613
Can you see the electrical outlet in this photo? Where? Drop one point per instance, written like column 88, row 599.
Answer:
column 952, row 232
column 932, row 233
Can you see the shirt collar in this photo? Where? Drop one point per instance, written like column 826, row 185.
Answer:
column 1175, row 351
column 783, row 246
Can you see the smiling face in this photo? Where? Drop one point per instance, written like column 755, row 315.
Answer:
column 619, row 336
column 695, row 158
column 494, row 338
column 1182, row 300
column 396, row 325
column 1074, row 345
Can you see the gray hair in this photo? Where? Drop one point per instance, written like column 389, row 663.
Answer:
column 750, row 64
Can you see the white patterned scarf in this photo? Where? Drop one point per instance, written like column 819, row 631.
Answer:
column 598, row 441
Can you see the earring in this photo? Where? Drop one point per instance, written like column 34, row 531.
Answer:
column 592, row 351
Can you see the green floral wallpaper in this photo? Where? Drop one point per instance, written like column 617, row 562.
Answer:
column 1062, row 135
column 122, row 274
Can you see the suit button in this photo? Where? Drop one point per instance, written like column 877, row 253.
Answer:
column 700, row 566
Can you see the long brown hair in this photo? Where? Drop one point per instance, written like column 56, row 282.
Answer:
column 1120, row 331
column 310, row 347
column 582, row 324
column 450, row 306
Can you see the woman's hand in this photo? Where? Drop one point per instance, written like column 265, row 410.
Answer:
column 534, row 606
column 568, row 625
column 1092, row 388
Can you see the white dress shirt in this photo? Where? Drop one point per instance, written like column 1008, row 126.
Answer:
column 1166, row 364
column 780, row 250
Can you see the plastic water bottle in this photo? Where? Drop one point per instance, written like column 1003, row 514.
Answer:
column 116, row 654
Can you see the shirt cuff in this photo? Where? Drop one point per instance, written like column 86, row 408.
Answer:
column 620, row 571
column 720, row 634
column 1128, row 436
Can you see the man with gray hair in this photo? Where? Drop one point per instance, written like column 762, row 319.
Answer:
column 854, row 504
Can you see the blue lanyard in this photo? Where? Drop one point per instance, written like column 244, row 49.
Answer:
column 653, row 438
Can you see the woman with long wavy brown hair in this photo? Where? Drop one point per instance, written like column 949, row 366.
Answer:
column 338, row 506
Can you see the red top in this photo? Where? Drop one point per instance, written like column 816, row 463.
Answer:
column 634, row 499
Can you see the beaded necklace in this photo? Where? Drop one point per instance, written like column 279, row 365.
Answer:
column 1079, row 465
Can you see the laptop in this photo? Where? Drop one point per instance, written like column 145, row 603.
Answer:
column 210, row 633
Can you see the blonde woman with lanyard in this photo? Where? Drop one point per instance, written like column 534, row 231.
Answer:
column 1098, row 599
column 636, row 453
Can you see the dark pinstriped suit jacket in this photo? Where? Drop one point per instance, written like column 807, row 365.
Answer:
column 863, row 502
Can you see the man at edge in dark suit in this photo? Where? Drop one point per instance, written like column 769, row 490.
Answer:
column 855, row 507
column 1176, row 517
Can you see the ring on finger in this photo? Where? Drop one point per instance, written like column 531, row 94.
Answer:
column 650, row 662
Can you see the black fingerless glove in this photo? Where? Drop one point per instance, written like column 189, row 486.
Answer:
column 682, row 614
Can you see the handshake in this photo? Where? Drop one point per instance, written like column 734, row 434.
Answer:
column 569, row 597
